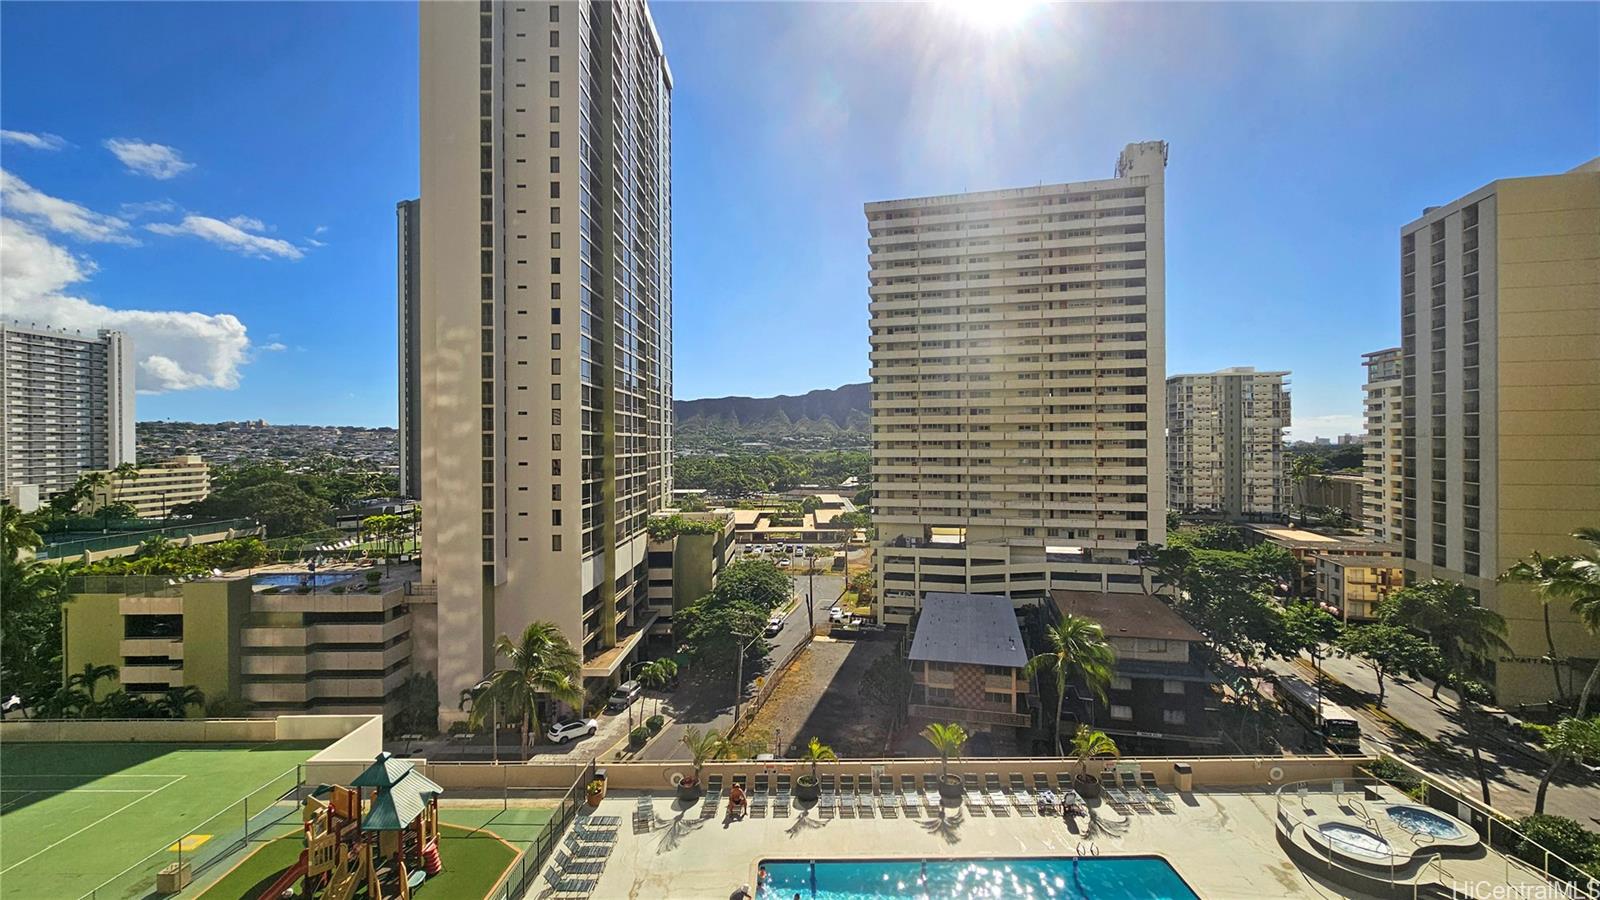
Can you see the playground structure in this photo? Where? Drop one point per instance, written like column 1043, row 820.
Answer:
column 387, row 840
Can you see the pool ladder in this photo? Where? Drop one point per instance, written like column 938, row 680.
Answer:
column 1087, row 848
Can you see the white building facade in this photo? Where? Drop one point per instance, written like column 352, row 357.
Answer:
column 1225, row 442
column 1383, row 506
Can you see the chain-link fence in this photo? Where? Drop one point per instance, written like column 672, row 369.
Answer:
column 268, row 812
column 123, row 538
column 524, row 874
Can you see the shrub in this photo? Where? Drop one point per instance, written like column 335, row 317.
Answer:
column 1386, row 769
column 337, row 589
column 374, row 590
column 654, row 724
column 638, row 736
column 303, row 589
column 1562, row 836
column 273, row 589
column 458, row 728
column 374, row 576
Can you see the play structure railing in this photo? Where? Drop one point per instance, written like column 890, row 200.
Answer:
column 524, row 873
column 267, row 812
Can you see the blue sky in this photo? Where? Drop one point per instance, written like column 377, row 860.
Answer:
column 220, row 179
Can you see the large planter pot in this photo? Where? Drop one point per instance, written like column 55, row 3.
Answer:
column 950, row 787
column 689, row 791
column 806, row 789
column 593, row 798
column 1087, row 785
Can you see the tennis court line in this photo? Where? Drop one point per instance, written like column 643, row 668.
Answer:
column 4, row 791
column 17, row 799
column 117, row 811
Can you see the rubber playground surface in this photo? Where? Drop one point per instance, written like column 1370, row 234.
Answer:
column 74, row 815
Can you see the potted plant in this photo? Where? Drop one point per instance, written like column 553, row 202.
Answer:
column 947, row 741
column 805, row 787
column 595, row 792
column 703, row 746
column 1088, row 743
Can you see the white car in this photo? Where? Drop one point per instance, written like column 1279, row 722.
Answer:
column 783, row 563
column 567, row 729
column 835, row 614
column 775, row 624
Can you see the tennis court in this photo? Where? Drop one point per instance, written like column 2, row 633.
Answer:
column 75, row 815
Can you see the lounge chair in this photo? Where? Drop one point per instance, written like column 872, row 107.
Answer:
column 1021, row 797
column 1108, row 786
column 644, row 814
column 572, row 866
column 888, row 798
column 582, row 850
column 931, row 797
column 910, row 799
column 780, row 803
column 847, row 796
column 564, row 885
column 1044, row 797
column 708, row 806
column 595, row 834
column 1147, row 780
column 998, row 804
column 605, row 821
column 1136, row 796
column 976, row 802
column 825, row 797
column 758, row 798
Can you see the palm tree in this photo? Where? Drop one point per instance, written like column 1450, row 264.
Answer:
column 1569, row 739
column 65, row 703
column 540, row 663
column 704, row 746
column 1088, row 743
column 1578, row 582
column 1077, row 648
column 656, row 675
column 1541, row 572
column 817, row 752
column 947, row 741
column 90, row 678
column 1464, row 631
column 176, row 701
column 1303, row 468
column 17, row 532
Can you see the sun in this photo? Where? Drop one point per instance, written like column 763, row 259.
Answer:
column 987, row 15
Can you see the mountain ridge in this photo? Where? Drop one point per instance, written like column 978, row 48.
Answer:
column 846, row 406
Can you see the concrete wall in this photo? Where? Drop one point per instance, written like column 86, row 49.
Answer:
column 213, row 613
column 155, row 731
column 91, row 632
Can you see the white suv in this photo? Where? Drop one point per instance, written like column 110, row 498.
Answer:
column 567, row 729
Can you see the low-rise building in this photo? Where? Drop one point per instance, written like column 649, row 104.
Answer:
column 1352, row 586
column 685, row 562
column 966, row 658
column 327, row 646
column 1305, row 545
column 1344, row 493
column 154, row 489
column 1159, row 690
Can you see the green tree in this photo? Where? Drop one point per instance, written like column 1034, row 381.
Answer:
column 1166, row 566
column 947, row 741
column 283, row 507
column 539, row 663
column 419, row 705
column 175, row 702
column 1090, row 743
column 1542, row 573
column 1387, row 649
column 1310, row 628
column 713, row 631
column 1075, row 648
column 887, row 683
column 1574, row 579
column 756, row 581
column 17, row 533
column 31, row 595
column 1571, row 738
column 706, row 745
column 657, row 675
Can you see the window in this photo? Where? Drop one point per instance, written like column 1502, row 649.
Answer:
column 938, row 695
column 555, row 392
column 555, row 288
column 555, row 317
column 1148, row 646
column 1118, row 711
column 555, row 492
column 1172, row 687
column 1121, row 683
column 555, row 215
column 555, row 543
column 555, row 190
column 555, row 165
column 555, row 38
column 555, row 140
column 555, row 366
column 555, row 517
column 555, row 442
column 555, row 89
column 555, row 63
column 1172, row 717
column 555, row 13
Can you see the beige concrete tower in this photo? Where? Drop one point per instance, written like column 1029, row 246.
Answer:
column 1382, row 502
column 1500, row 343
column 546, row 323
column 1225, row 443
column 1018, row 355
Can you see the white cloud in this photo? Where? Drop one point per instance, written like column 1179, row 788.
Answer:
column 1304, row 428
column 26, row 202
column 320, row 229
column 147, row 208
column 313, row 242
column 155, row 160
column 175, row 350
column 276, row 347
column 247, row 223
column 229, row 236
column 36, row 141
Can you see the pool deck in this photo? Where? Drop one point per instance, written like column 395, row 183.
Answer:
column 1223, row 844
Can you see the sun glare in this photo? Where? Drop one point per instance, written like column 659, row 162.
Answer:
column 987, row 15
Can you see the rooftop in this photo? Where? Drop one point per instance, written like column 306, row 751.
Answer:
column 1127, row 615
column 975, row 629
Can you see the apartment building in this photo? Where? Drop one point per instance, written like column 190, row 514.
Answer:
column 1018, row 350
column 1382, row 501
column 687, row 553
column 154, row 489
column 408, row 307
column 546, row 324
column 1335, row 493
column 1225, row 443
column 1500, row 394
column 967, row 657
column 66, row 408
column 1352, row 586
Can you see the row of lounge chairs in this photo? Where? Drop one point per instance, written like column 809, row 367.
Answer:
column 583, row 857
column 1134, row 792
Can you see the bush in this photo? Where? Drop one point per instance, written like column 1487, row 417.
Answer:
column 337, row 589
column 458, row 728
column 302, row 590
column 273, row 589
column 1562, row 836
column 638, row 736
column 374, row 590
column 1479, row 692
column 1386, row 769
column 374, row 576
column 655, row 724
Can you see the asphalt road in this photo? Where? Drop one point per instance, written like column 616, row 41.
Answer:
column 709, row 704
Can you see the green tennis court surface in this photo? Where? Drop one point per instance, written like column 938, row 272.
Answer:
column 74, row 815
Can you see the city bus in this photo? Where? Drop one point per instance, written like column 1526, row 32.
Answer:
column 1338, row 728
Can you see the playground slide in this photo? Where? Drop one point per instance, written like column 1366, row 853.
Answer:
column 289, row 877
column 343, row 886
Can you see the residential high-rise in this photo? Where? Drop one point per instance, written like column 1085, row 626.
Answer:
column 1225, row 443
column 66, row 406
column 1382, row 504
column 408, row 258
column 1500, row 342
column 546, row 324
column 1018, row 351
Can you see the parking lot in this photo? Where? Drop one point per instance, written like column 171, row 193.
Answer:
column 818, row 697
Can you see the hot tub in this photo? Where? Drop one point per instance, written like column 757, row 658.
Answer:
column 1422, row 820
column 1354, row 841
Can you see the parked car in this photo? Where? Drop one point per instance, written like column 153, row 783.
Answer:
column 835, row 614
column 775, row 624
column 783, row 563
column 625, row 694
column 564, row 730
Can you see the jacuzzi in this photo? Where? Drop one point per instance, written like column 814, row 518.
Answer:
column 1350, row 840
column 1420, row 820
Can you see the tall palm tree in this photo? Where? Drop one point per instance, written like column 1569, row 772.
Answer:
column 1464, row 631
column 1578, row 582
column 1077, row 648
column 90, row 678
column 17, row 532
column 175, row 702
column 1569, row 739
column 656, row 675
column 1540, row 572
column 1304, row 468
column 539, row 663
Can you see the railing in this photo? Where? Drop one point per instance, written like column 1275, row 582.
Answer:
column 524, row 873
column 268, row 808
column 120, row 539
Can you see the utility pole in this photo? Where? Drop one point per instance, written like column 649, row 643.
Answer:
column 738, row 679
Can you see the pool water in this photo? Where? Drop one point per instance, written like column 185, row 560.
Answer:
column 1416, row 819
column 296, row 579
column 1356, row 841
column 1102, row 878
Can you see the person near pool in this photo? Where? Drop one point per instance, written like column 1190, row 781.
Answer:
column 736, row 801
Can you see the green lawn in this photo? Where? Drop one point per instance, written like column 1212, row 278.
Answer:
column 473, row 863
column 73, row 815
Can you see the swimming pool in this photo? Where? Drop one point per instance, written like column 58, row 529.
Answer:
column 296, row 579
column 1103, row 878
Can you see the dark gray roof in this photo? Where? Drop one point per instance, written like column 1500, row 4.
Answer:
column 976, row 629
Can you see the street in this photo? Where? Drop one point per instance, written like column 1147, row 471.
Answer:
column 1430, row 734
column 710, row 704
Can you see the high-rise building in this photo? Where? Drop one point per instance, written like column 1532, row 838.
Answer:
column 1382, row 503
column 1500, row 345
column 66, row 407
column 1225, row 443
column 408, row 256
column 1018, row 354
column 546, row 324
